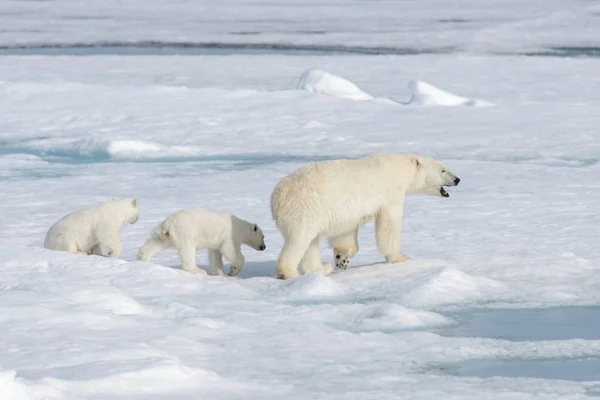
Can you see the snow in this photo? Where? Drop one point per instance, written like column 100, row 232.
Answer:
column 428, row 95
column 517, row 237
column 321, row 82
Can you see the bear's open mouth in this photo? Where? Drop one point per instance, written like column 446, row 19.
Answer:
column 443, row 192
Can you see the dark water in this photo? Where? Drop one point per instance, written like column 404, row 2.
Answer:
column 559, row 323
column 585, row 369
column 195, row 49
column 154, row 48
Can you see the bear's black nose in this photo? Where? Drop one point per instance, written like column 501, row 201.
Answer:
column 262, row 247
column 456, row 180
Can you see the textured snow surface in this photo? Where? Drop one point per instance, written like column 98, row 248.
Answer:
column 501, row 295
column 415, row 26
column 426, row 94
column 321, row 82
column 422, row 93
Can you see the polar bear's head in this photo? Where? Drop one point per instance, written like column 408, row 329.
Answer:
column 431, row 177
column 255, row 237
column 251, row 235
column 135, row 211
column 129, row 209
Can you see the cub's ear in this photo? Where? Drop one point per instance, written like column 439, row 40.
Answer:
column 417, row 162
column 135, row 203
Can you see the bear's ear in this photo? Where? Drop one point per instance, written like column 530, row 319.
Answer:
column 417, row 162
column 255, row 228
column 135, row 203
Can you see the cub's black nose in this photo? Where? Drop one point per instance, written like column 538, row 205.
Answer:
column 262, row 247
column 456, row 180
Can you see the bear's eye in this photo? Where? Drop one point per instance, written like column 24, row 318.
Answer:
column 443, row 171
column 255, row 228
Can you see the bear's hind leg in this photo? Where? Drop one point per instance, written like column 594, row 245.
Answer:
column 187, row 254
column 63, row 242
column 291, row 255
column 387, row 232
column 344, row 247
column 311, row 262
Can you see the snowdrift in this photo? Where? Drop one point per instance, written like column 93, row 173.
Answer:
column 324, row 83
column 426, row 94
column 321, row 82
column 34, row 153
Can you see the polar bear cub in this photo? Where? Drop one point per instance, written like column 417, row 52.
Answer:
column 192, row 229
column 333, row 198
column 90, row 230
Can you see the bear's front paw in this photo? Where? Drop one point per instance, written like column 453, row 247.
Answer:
column 396, row 258
column 342, row 260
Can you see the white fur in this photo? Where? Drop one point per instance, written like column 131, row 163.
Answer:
column 90, row 230
column 333, row 198
column 191, row 230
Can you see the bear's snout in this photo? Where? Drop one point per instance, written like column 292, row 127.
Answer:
column 456, row 180
column 262, row 247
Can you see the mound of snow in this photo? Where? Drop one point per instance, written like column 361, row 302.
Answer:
column 158, row 378
column 310, row 286
column 428, row 95
column 106, row 298
column 422, row 93
column 147, row 149
column 321, row 82
column 446, row 286
column 12, row 388
column 133, row 147
column 396, row 317
column 129, row 148
column 114, row 149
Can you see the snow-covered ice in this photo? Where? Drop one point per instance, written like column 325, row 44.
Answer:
column 321, row 82
column 518, row 235
column 425, row 94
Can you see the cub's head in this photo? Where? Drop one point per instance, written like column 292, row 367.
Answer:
column 130, row 208
column 431, row 177
column 255, row 238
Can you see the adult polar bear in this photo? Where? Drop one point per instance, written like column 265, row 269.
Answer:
column 333, row 198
